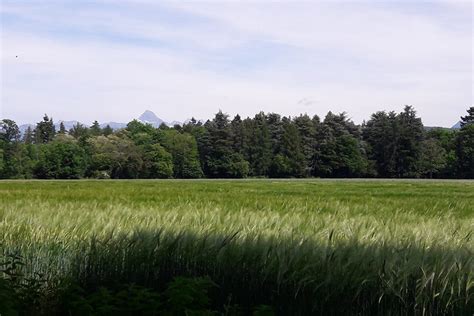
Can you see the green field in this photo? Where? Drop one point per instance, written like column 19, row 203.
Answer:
column 295, row 246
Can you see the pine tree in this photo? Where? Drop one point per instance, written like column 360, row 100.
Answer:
column 220, row 159
column 79, row 131
column 307, row 131
column 469, row 118
column 433, row 157
column 44, row 131
column 288, row 160
column 465, row 146
column 237, row 134
column 381, row 133
column 339, row 151
column 275, row 129
column 107, row 130
column 95, row 129
column 28, row 136
column 409, row 146
column 258, row 145
column 62, row 129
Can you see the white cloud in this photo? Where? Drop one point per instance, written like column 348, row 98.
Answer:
column 351, row 56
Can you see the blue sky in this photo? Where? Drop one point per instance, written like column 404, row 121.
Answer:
column 111, row 60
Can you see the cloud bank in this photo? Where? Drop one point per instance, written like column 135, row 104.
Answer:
column 111, row 60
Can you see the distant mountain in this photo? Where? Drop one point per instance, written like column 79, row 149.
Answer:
column 150, row 118
column 24, row 127
column 67, row 124
column 457, row 125
column 147, row 117
column 429, row 128
column 114, row 125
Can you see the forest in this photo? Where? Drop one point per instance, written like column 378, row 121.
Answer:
column 388, row 145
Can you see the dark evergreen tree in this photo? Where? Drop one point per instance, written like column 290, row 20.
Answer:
column 95, row 129
column 62, row 128
column 107, row 130
column 44, row 131
column 395, row 145
column 289, row 160
column 221, row 161
column 275, row 128
column 237, row 134
column 446, row 139
column 469, row 118
column 339, row 151
column 307, row 131
column 433, row 157
column 79, row 131
column 28, row 137
column 465, row 146
column 381, row 133
column 409, row 143
column 257, row 144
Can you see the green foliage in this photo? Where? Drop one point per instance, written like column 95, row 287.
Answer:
column 61, row 159
column 9, row 131
column 129, row 300
column 395, row 142
column 433, row 157
column 2, row 163
column 186, row 296
column 409, row 143
column 62, row 128
column 465, row 151
column 114, row 156
column 79, row 131
column 137, row 130
column 44, row 131
column 381, row 134
column 184, row 151
column 157, row 162
column 95, row 129
column 21, row 294
column 220, row 160
column 389, row 145
column 338, row 150
column 107, row 130
column 257, row 145
column 469, row 118
column 292, row 162
column 263, row 310
column 28, row 137
column 307, row 128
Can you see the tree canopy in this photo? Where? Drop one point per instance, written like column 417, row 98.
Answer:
column 389, row 145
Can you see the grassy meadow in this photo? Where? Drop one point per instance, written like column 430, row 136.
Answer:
column 289, row 247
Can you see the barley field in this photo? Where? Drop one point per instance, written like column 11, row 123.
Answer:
column 262, row 247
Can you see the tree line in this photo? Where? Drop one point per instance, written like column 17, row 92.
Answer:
column 388, row 145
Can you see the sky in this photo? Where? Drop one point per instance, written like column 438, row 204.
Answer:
column 112, row 60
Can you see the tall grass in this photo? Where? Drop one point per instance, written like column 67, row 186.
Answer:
column 303, row 247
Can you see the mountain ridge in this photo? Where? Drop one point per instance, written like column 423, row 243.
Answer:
column 147, row 117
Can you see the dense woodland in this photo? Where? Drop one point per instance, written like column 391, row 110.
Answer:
column 388, row 145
